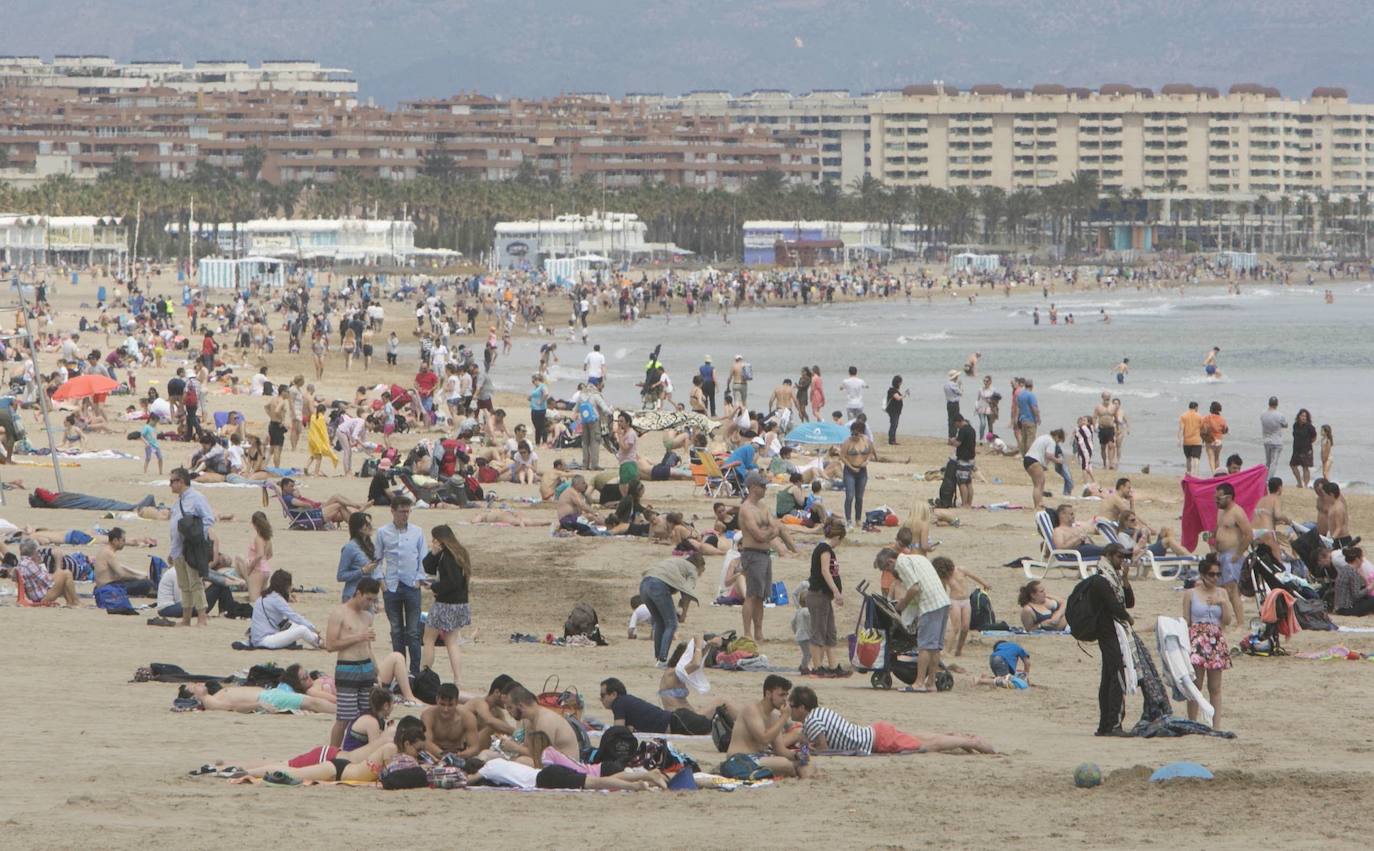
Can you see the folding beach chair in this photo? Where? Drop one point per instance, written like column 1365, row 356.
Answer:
column 302, row 519
column 1062, row 560
column 1164, row 568
column 716, row 483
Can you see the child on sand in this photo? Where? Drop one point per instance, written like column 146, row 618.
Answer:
column 801, row 626
column 961, row 611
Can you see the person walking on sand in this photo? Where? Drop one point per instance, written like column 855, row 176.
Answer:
column 1272, row 425
column 1190, row 438
column 1231, row 541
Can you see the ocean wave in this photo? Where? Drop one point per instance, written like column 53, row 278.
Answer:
column 1358, row 487
column 924, row 338
column 1072, row 387
column 621, row 353
column 1203, row 379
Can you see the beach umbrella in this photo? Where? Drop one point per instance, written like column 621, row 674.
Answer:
column 818, row 434
column 85, row 385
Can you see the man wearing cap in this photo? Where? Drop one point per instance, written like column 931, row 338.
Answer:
column 739, row 383
column 758, row 528
column 708, row 384
column 954, row 391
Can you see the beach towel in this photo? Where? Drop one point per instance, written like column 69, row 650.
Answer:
column 317, row 440
column 1199, row 502
column 1156, row 718
column 1175, row 650
column 1288, row 623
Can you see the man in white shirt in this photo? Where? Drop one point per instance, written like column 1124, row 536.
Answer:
column 258, row 381
column 853, row 388
column 595, row 365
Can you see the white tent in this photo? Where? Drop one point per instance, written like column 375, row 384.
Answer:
column 976, row 262
column 225, row 273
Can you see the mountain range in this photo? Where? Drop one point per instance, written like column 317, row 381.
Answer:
column 401, row 49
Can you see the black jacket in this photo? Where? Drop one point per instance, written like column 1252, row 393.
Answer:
column 452, row 585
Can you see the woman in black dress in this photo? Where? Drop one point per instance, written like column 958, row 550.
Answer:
column 1304, row 435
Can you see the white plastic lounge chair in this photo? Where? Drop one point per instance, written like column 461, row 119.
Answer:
column 1164, row 568
column 1063, row 560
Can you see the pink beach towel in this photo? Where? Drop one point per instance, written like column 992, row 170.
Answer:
column 1199, row 501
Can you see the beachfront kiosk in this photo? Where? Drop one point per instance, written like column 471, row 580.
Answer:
column 219, row 273
column 1240, row 261
column 968, row 261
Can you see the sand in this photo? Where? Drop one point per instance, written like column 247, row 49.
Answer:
column 98, row 760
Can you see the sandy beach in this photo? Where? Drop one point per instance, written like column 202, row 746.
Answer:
column 100, row 761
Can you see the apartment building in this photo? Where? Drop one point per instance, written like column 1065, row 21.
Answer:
column 308, row 137
column 95, row 75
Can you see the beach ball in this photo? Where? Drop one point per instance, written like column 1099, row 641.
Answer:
column 1087, row 775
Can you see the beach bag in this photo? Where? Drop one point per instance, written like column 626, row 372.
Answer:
column 266, row 675
column 567, row 701
column 425, row 687
column 779, row 596
column 1311, row 614
column 744, row 767
column 1079, row 613
column 869, row 650
column 586, row 413
column 113, row 599
column 474, row 488
column 369, row 469
column 722, row 727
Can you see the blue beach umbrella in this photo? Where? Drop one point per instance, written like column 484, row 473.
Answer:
column 818, row 434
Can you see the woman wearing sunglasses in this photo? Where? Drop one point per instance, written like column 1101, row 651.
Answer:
column 1207, row 609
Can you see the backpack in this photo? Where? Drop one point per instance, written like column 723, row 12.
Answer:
column 586, row 412
column 983, row 616
column 474, row 488
column 722, row 728
column 425, row 687
column 582, row 621
column 113, row 599
column 743, row 767
column 618, row 748
column 266, row 675
column 195, row 546
column 747, row 372
column 1079, row 613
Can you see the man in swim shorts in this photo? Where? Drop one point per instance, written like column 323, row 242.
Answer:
column 1209, row 363
column 760, row 528
column 1231, row 540
column 349, row 633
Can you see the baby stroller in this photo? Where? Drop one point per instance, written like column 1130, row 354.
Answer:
column 883, row 647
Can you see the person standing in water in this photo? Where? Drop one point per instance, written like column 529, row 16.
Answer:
column 1121, row 370
column 1209, row 363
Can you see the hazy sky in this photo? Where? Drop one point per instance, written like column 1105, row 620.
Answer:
column 423, row 48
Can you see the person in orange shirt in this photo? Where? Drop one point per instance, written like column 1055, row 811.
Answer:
column 1190, row 437
column 1214, row 430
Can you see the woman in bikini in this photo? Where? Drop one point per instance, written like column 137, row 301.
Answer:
column 817, row 394
column 1207, row 608
column 855, row 452
column 1040, row 611
column 364, row 765
column 362, row 735
column 256, row 566
column 1328, row 441
column 684, row 675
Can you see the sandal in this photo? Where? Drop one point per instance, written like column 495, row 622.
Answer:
column 205, row 769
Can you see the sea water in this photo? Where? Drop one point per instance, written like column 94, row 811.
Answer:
column 1275, row 341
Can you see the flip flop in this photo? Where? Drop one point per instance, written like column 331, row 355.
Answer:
column 203, row 770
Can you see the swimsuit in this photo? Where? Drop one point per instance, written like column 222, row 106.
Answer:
column 281, row 699
column 1041, row 617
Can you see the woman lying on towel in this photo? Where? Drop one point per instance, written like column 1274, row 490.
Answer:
column 363, row 736
column 363, row 765
column 557, row 771
column 291, row 695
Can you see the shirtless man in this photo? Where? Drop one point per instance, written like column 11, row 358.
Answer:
column 452, row 727
column 739, row 385
column 1337, row 517
column 108, row 570
column 276, row 423
column 573, row 510
column 490, row 711
column 532, row 716
column 349, row 633
column 1209, row 367
column 1105, row 418
column 758, row 731
column 758, row 528
column 1069, row 537
column 1269, row 516
column 783, row 402
column 1231, row 541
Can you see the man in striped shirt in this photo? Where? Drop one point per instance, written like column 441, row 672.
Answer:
column 827, row 730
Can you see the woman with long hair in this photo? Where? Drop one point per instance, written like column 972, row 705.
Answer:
column 1328, row 441
column 1207, row 608
column 1304, row 435
column 256, row 566
column 817, row 394
column 275, row 624
column 358, row 558
column 449, row 561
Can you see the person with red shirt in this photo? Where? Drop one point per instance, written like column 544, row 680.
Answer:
column 426, row 382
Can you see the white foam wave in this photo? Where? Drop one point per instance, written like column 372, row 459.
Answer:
column 1203, row 379
column 1072, row 387
column 621, row 353
column 924, row 338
